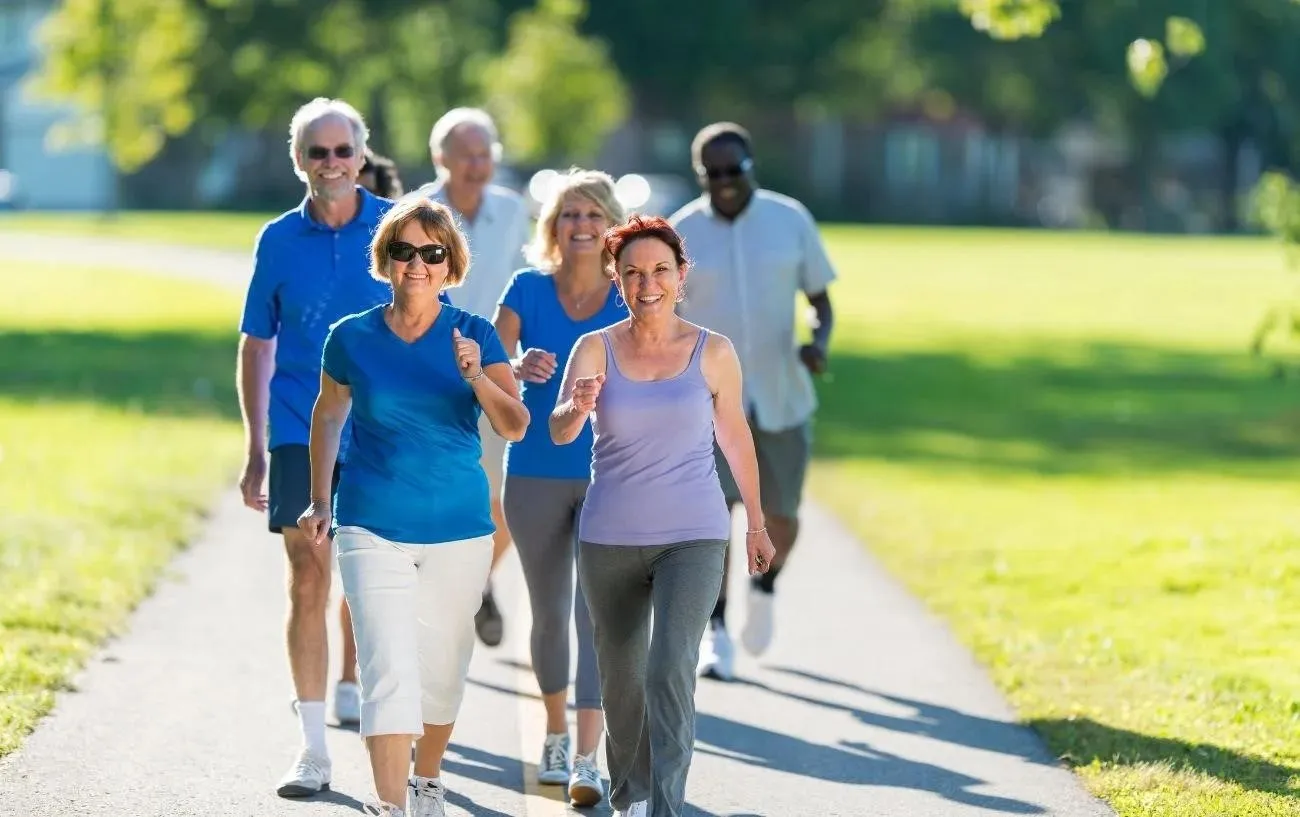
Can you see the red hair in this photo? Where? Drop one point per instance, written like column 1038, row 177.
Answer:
column 638, row 227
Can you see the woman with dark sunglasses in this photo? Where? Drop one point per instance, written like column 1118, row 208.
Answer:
column 411, row 514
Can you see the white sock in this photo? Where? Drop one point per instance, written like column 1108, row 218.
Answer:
column 311, row 717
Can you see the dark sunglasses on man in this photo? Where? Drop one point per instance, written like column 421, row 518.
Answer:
column 318, row 152
column 729, row 172
column 429, row 253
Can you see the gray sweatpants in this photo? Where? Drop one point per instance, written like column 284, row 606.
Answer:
column 648, row 677
column 542, row 515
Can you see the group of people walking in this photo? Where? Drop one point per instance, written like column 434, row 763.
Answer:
column 428, row 379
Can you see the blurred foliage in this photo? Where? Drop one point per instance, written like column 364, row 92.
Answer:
column 555, row 92
column 125, row 64
column 1275, row 206
column 560, row 74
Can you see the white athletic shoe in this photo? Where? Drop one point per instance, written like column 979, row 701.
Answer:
column 717, row 655
column 347, row 702
column 759, row 623
column 585, row 786
column 382, row 809
column 640, row 808
column 428, row 798
column 556, row 759
column 309, row 775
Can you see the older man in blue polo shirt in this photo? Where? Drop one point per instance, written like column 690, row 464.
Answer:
column 310, row 270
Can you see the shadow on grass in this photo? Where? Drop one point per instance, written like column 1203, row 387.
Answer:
column 1082, row 741
column 159, row 372
column 1090, row 408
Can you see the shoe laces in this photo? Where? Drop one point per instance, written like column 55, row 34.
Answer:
column 308, row 766
column 555, row 753
column 427, row 799
column 585, row 768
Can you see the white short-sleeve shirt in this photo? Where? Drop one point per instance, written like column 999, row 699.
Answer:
column 743, row 284
column 496, row 237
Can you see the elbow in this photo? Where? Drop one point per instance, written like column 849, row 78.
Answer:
column 519, row 425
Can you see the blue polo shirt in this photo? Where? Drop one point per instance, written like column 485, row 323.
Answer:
column 543, row 324
column 306, row 276
column 413, row 474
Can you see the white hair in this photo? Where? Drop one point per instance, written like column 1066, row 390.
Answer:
column 313, row 112
column 448, row 122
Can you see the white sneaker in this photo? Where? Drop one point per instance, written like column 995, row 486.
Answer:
column 427, row 798
column 310, row 775
column 759, row 624
column 556, row 759
column 347, row 702
column 585, row 786
column 640, row 808
column 717, row 656
column 382, row 809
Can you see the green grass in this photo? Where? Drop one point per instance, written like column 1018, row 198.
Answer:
column 1060, row 444
column 223, row 231
column 118, row 424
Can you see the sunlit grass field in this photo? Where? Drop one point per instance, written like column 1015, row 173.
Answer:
column 1062, row 445
column 118, row 426
column 1058, row 441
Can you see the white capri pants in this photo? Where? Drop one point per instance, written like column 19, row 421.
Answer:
column 413, row 612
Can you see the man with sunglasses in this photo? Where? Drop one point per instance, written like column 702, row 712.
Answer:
column 311, row 268
column 496, row 222
column 752, row 252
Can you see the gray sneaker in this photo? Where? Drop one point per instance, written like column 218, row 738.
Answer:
column 556, row 760
column 585, row 786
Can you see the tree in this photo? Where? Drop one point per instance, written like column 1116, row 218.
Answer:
column 125, row 68
column 555, row 91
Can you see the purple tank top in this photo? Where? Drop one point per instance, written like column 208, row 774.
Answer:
column 653, row 476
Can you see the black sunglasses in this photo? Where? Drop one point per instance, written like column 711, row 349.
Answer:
column 730, row 172
column 318, row 152
column 429, row 253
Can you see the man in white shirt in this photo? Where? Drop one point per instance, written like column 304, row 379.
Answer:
column 497, row 224
column 752, row 252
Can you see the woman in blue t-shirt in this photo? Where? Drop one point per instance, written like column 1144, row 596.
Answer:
column 411, row 512
column 544, row 310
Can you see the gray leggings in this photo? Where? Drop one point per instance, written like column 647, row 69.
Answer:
column 648, row 674
column 542, row 515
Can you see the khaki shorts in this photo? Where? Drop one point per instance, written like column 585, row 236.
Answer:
column 494, row 455
column 782, row 465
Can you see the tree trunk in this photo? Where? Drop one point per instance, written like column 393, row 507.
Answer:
column 1232, row 138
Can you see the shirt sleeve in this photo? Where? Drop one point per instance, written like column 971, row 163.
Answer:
column 514, row 295
column 490, row 348
column 815, row 270
column 334, row 357
column 261, row 318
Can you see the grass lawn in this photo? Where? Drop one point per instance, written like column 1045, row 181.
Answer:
column 223, row 231
column 1060, row 444
column 118, row 424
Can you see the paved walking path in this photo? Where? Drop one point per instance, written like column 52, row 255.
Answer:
column 864, row 706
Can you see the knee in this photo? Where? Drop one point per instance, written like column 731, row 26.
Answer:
column 309, row 585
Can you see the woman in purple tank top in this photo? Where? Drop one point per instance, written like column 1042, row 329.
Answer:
column 654, row 527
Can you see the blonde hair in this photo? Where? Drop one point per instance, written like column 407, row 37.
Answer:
column 437, row 221
column 596, row 187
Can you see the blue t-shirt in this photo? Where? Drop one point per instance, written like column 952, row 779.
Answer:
column 306, row 276
column 413, row 473
column 545, row 325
